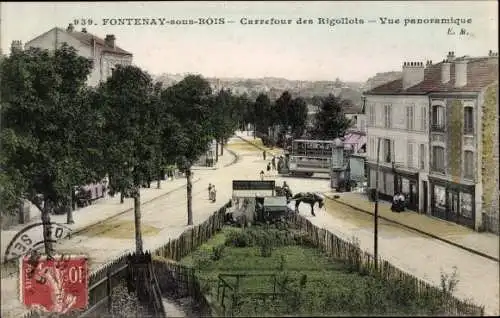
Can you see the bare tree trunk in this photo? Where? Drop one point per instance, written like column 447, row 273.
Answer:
column 122, row 195
column 216, row 151
column 158, row 183
column 69, row 207
column 47, row 232
column 189, row 190
column 137, row 219
column 222, row 147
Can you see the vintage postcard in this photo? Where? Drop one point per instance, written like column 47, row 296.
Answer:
column 263, row 158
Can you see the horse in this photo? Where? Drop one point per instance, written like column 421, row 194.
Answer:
column 310, row 198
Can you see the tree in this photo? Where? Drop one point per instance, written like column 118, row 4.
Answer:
column 190, row 103
column 297, row 116
column 330, row 120
column 41, row 112
column 130, row 139
column 283, row 110
column 263, row 112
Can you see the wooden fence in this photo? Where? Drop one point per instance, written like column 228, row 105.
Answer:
column 102, row 280
column 364, row 262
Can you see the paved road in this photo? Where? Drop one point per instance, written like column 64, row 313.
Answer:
column 166, row 218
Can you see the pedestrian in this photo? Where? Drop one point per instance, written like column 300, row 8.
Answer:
column 262, row 175
column 213, row 193
column 209, row 191
column 268, row 168
column 264, row 154
column 273, row 162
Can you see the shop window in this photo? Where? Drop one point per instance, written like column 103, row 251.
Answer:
column 440, row 197
column 466, row 205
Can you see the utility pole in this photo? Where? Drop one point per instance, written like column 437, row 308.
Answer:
column 375, row 215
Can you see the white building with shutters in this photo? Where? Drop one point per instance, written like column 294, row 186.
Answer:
column 400, row 120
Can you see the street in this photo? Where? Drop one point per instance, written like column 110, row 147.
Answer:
column 166, row 218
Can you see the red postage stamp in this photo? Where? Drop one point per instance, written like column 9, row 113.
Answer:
column 54, row 285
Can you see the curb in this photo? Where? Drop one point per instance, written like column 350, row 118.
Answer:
column 235, row 159
column 468, row 249
column 128, row 210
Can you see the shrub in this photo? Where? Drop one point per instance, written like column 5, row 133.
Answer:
column 201, row 259
column 218, row 252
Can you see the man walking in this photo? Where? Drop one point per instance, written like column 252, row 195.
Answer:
column 273, row 163
column 209, row 191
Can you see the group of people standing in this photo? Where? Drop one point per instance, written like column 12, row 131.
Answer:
column 271, row 166
column 212, row 192
column 398, row 202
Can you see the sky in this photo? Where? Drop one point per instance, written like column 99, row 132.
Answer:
column 351, row 52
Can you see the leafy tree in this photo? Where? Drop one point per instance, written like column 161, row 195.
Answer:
column 262, row 109
column 190, row 103
column 130, row 139
column 297, row 116
column 283, row 110
column 42, row 116
column 330, row 120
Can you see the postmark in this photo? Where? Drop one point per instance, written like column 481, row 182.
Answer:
column 58, row 284
column 31, row 238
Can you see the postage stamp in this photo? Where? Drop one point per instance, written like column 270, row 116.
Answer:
column 58, row 284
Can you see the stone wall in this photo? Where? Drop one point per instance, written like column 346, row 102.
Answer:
column 455, row 122
column 490, row 160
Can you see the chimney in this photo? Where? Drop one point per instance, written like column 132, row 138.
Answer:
column 461, row 73
column 70, row 28
column 16, row 46
column 451, row 56
column 84, row 30
column 445, row 71
column 110, row 40
column 413, row 73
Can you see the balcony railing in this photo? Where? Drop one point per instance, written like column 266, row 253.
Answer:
column 438, row 127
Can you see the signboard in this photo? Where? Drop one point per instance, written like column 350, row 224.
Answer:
column 253, row 185
column 357, row 168
column 56, row 285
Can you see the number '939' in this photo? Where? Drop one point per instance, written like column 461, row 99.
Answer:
column 83, row 22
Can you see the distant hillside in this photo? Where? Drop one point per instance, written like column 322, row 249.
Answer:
column 380, row 79
column 275, row 86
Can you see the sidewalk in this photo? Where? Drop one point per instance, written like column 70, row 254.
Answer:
column 107, row 208
column 484, row 244
column 257, row 143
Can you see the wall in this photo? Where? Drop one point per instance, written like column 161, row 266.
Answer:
column 490, row 159
column 398, row 132
column 454, row 138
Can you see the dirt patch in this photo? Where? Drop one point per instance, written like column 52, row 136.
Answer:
column 119, row 229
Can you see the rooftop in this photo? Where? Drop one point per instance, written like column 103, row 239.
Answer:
column 481, row 72
column 88, row 39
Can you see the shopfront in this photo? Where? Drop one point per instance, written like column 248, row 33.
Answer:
column 406, row 182
column 452, row 201
column 385, row 180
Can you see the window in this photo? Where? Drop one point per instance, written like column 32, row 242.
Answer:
column 387, row 116
column 469, row 165
column 423, row 118
column 409, row 118
column 438, row 159
column 409, row 153
column 372, row 115
column 422, row 157
column 468, row 120
column 437, row 118
column 362, row 125
column 387, row 150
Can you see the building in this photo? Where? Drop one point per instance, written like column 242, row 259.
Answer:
column 104, row 52
column 438, row 126
column 355, row 137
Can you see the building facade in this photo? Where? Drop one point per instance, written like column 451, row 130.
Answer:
column 438, row 127
column 104, row 53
